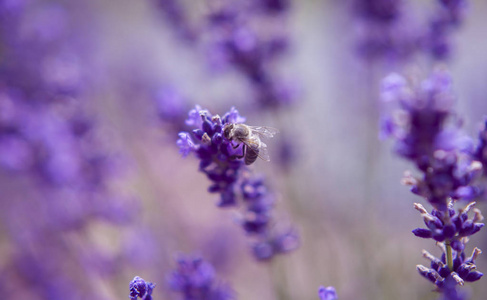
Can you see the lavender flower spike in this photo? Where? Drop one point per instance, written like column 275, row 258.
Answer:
column 217, row 155
column 195, row 279
column 425, row 137
column 328, row 293
column 221, row 161
column 463, row 270
column 139, row 288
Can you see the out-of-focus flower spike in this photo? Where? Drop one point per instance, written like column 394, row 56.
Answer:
column 195, row 279
column 327, row 293
column 221, row 160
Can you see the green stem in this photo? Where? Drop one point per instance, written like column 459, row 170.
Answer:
column 449, row 256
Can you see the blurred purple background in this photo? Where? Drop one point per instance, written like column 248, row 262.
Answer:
column 93, row 189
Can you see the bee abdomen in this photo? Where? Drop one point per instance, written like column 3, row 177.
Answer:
column 251, row 155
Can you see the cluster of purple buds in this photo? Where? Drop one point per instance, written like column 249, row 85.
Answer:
column 451, row 231
column 235, row 43
column 174, row 14
column 217, row 154
column 381, row 32
column 455, row 9
column 139, row 288
column 220, row 160
column 446, row 176
column 419, row 125
column 258, row 221
column 273, row 6
column 382, row 11
column 259, row 205
column 446, row 19
column 463, row 269
column 426, row 133
column 195, row 279
column 384, row 33
column 450, row 226
column 328, row 293
column 54, row 167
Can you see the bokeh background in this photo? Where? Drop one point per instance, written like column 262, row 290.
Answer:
column 85, row 210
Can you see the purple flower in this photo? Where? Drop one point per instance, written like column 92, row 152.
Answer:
column 328, row 293
column 382, row 30
column 463, row 270
column 218, row 157
column 51, row 157
column 234, row 43
column 275, row 242
column 273, row 6
column 195, row 279
column 175, row 16
column 221, row 161
column 455, row 9
column 378, row 10
column 139, row 288
column 452, row 226
column 447, row 17
column 425, row 135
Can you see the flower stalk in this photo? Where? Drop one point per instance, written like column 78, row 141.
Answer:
column 449, row 256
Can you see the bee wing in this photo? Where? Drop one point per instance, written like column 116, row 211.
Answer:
column 264, row 152
column 264, row 131
column 253, row 144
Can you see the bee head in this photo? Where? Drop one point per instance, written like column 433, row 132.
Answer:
column 227, row 130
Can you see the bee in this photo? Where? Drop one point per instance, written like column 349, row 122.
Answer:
column 250, row 137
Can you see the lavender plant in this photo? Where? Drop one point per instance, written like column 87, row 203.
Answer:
column 383, row 33
column 173, row 13
column 139, row 288
column 233, row 180
column 236, row 43
column 230, row 34
column 55, row 171
column 427, row 133
column 194, row 279
column 447, row 18
column 328, row 293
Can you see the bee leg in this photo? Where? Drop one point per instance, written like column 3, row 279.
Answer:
column 239, row 156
